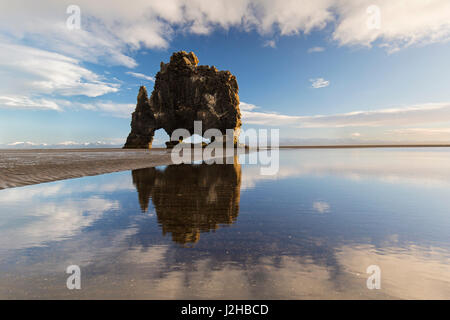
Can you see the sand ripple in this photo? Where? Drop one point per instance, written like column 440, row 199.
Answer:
column 25, row 167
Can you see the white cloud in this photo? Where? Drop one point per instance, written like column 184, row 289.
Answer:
column 270, row 119
column 402, row 23
column 111, row 31
column 290, row 16
column 270, row 43
column 27, row 71
column 118, row 110
column 23, row 102
column 356, row 134
column 319, row 83
column 316, row 49
column 141, row 76
column 108, row 108
column 246, row 106
column 30, row 78
column 402, row 116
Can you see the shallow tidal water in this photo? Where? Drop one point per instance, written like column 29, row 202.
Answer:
column 227, row 232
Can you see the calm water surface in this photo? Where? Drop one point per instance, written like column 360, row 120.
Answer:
column 226, row 231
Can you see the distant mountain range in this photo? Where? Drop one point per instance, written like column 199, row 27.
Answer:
column 283, row 142
column 61, row 145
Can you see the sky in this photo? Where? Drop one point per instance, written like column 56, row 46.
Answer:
column 321, row 71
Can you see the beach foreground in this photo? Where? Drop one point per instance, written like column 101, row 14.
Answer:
column 32, row 166
column 26, row 167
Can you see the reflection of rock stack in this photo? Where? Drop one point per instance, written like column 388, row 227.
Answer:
column 190, row 199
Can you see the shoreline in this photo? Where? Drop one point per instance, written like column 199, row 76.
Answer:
column 22, row 167
column 32, row 166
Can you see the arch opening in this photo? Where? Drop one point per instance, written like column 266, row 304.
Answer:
column 160, row 138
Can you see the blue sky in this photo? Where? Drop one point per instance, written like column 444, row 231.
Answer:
column 317, row 70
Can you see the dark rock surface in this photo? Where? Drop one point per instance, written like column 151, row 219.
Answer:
column 183, row 93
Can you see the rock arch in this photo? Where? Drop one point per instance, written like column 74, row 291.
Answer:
column 183, row 93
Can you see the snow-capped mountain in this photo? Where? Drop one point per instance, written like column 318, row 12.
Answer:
column 60, row 145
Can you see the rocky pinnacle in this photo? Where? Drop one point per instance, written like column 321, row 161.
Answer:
column 185, row 92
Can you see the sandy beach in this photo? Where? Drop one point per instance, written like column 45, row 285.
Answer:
column 31, row 166
column 26, row 167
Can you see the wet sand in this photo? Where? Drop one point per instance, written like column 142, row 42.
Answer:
column 26, row 167
column 32, row 166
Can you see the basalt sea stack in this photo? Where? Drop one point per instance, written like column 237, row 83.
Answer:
column 183, row 93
